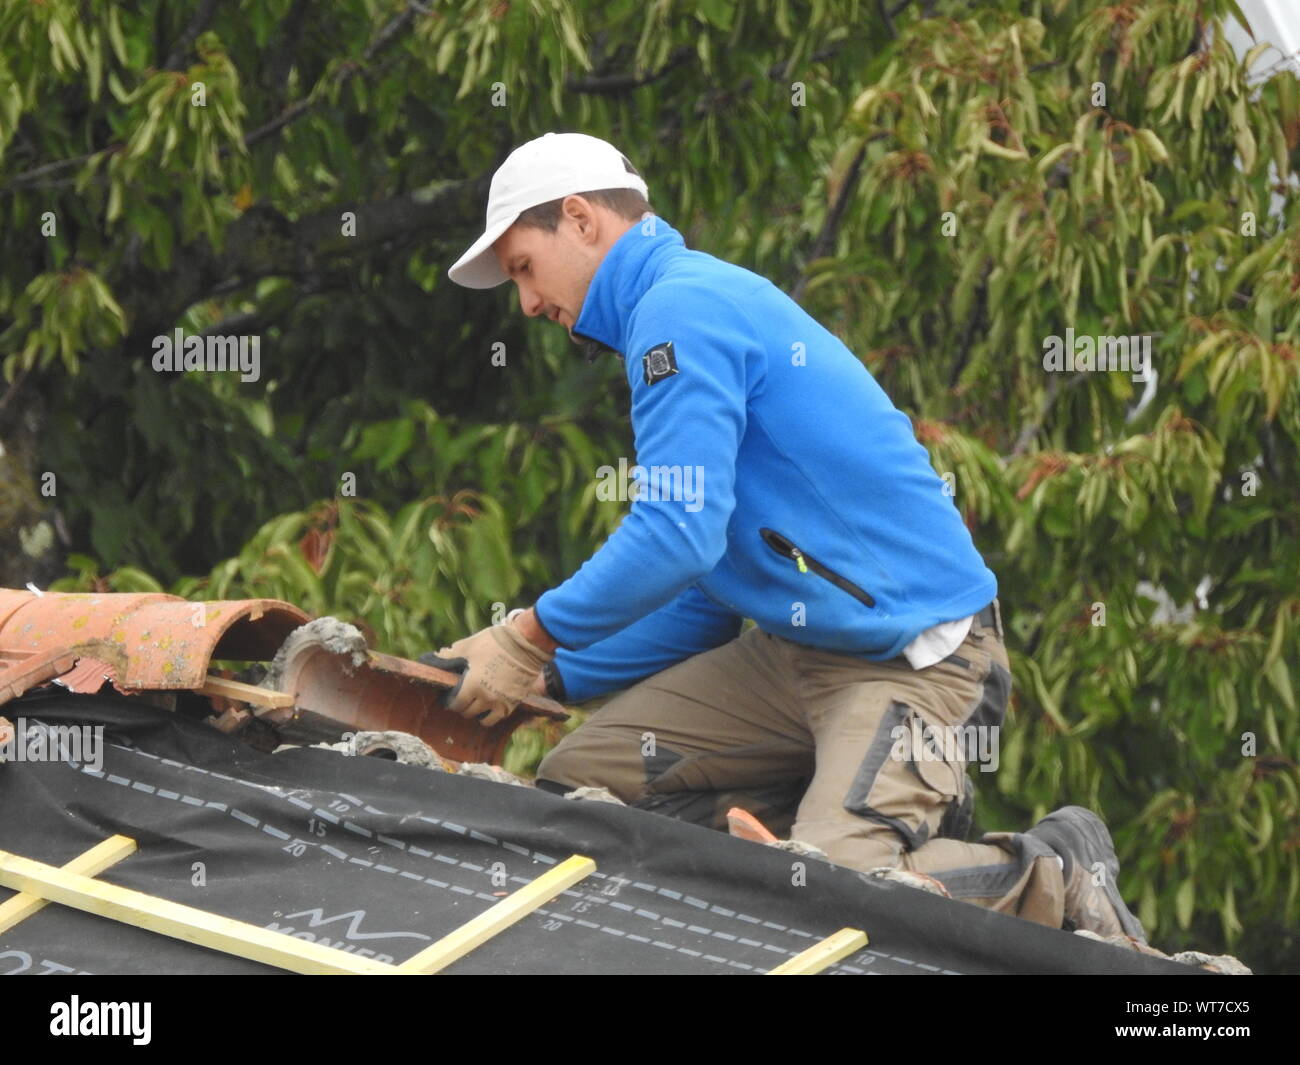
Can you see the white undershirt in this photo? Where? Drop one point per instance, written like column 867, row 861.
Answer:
column 937, row 643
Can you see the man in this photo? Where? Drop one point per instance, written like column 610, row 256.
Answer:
column 778, row 483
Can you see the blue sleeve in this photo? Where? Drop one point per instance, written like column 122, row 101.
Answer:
column 687, row 426
column 689, row 625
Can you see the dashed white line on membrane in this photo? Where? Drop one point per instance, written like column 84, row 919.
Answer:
column 535, row 855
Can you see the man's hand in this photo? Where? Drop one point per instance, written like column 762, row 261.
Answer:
column 501, row 666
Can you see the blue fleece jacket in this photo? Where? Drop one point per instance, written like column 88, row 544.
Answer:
column 777, row 482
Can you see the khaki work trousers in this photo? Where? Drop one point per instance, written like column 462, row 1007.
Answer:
column 865, row 760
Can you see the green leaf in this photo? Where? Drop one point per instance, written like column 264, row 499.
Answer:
column 1184, row 901
column 1278, row 673
column 716, row 12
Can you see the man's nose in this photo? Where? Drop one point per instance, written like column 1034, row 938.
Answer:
column 530, row 302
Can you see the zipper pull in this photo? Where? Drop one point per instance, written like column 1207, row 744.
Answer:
column 798, row 558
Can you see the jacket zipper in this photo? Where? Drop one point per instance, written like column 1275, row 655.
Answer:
column 782, row 546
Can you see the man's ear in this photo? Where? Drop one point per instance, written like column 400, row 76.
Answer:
column 582, row 213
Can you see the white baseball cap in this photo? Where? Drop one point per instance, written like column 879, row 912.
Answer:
column 545, row 169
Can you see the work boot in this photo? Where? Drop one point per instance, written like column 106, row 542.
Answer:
column 1081, row 840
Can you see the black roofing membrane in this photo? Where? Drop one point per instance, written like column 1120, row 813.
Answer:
column 381, row 859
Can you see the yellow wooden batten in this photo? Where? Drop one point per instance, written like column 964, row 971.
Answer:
column 821, row 955
column 180, row 922
column 73, row 885
column 89, row 863
column 439, row 955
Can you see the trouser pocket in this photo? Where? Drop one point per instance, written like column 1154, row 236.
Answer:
column 757, row 765
column 960, row 816
column 908, row 778
column 768, row 779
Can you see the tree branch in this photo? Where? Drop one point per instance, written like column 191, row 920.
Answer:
column 28, row 177
column 277, row 67
column 610, row 84
column 1050, row 394
column 13, row 388
column 246, row 322
column 886, row 17
column 197, row 25
column 614, row 83
column 833, row 219
column 381, row 41
column 972, row 320
column 263, row 243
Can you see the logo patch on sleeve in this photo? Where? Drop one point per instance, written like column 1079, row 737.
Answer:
column 659, row 362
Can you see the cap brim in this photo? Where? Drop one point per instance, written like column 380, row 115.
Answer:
column 478, row 267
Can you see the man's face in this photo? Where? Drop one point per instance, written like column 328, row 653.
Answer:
column 553, row 270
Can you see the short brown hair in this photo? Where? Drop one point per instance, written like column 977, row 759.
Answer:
column 627, row 203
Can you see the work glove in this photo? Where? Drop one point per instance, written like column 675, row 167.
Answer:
column 498, row 668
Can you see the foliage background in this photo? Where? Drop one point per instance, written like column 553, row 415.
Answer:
column 475, row 484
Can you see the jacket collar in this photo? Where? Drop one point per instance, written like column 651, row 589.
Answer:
column 629, row 268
